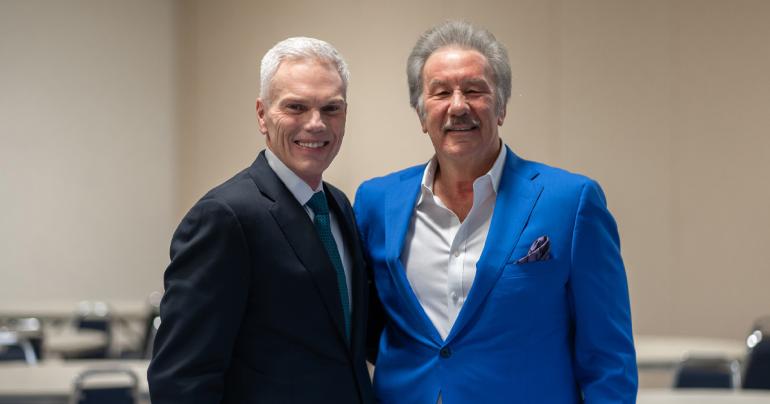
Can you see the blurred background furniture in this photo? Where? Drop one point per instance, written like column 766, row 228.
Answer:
column 667, row 352
column 104, row 386
column 93, row 315
column 143, row 350
column 51, row 381
column 28, row 328
column 756, row 370
column 708, row 372
column 701, row 396
column 14, row 347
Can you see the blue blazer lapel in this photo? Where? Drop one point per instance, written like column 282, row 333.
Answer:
column 517, row 195
column 399, row 208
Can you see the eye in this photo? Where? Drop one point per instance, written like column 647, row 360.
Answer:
column 441, row 93
column 294, row 107
column 331, row 108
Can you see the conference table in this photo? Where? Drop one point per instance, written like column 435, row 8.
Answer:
column 68, row 342
column 51, row 381
column 58, row 310
column 666, row 352
column 702, row 396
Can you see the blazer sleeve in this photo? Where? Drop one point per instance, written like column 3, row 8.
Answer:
column 605, row 360
column 206, row 287
column 376, row 315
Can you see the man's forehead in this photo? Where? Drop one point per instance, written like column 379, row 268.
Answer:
column 469, row 64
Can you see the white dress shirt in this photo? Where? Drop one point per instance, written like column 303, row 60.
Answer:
column 440, row 252
column 302, row 192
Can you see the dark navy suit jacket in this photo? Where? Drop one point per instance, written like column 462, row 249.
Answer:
column 251, row 311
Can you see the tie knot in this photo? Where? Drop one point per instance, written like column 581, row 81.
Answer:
column 318, row 203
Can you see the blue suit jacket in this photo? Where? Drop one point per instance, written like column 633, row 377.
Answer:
column 554, row 331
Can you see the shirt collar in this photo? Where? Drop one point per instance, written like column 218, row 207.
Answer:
column 299, row 188
column 492, row 176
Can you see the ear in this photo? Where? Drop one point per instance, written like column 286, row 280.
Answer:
column 261, row 111
column 501, row 118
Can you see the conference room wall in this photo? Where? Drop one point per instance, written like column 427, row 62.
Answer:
column 88, row 166
column 115, row 117
column 666, row 103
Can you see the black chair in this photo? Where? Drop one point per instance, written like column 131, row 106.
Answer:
column 108, row 390
column 707, row 373
column 13, row 347
column 28, row 328
column 94, row 315
column 143, row 348
column 756, row 371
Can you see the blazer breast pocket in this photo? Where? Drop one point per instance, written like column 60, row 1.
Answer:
column 529, row 269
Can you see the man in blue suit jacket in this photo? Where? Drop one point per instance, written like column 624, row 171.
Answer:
column 501, row 279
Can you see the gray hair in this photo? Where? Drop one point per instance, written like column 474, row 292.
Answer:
column 463, row 35
column 299, row 48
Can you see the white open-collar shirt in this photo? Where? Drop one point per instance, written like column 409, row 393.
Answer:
column 302, row 192
column 440, row 252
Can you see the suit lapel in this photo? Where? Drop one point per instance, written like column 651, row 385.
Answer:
column 399, row 208
column 301, row 235
column 517, row 196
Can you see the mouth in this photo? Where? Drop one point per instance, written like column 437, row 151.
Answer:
column 310, row 145
column 460, row 128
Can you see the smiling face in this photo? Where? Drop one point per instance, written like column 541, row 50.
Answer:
column 460, row 114
column 304, row 119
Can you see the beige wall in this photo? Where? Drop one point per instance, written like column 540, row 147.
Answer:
column 88, row 161
column 666, row 103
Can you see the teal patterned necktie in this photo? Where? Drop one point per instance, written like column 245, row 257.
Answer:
column 322, row 225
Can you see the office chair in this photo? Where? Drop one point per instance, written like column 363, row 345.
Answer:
column 94, row 315
column 707, row 373
column 143, row 347
column 87, row 390
column 28, row 328
column 16, row 348
column 756, row 371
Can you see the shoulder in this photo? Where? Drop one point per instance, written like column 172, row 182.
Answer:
column 555, row 180
column 377, row 186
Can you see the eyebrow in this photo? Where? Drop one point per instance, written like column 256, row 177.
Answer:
column 301, row 100
column 471, row 81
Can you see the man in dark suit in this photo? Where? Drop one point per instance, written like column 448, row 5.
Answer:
column 266, row 295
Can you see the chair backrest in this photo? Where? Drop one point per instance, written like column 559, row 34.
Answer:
column 16, row 348
column 94, row 315
column 121, row 388
column 756, row 370
column 149, row 336
column 707, row 372
column 29, row 328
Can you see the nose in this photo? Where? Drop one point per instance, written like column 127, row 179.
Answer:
column 458, row 105
column 315, row 123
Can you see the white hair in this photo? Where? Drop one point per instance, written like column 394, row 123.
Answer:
column 299, row 48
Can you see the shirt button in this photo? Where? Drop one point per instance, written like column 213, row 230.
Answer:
column 453, row 295
column 445, row 352
column 457, row 253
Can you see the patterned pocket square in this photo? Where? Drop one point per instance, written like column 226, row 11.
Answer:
column 539, row 251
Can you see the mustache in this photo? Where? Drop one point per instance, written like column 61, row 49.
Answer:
column 464, row 121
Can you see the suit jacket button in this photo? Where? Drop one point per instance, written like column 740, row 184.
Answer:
column 445, row 352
